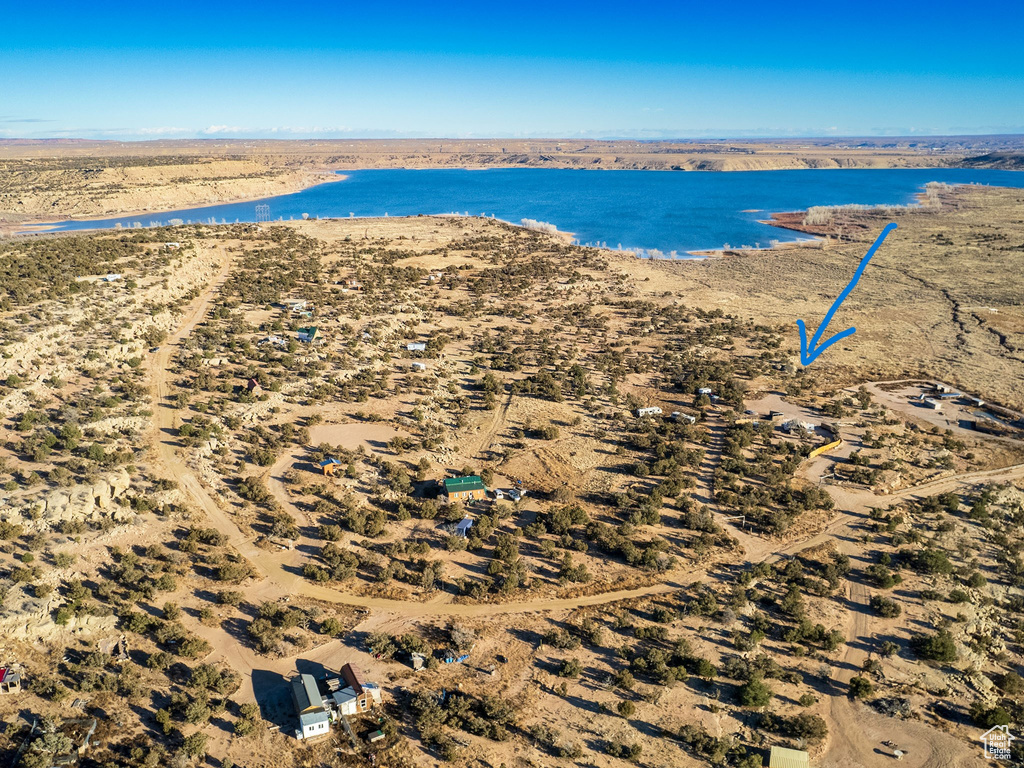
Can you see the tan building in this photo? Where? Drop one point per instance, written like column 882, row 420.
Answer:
column 464, row 488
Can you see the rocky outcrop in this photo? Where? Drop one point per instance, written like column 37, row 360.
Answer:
column 28, row 618
column 85, row 503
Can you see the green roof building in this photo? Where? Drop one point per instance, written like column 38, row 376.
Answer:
column 464, row 488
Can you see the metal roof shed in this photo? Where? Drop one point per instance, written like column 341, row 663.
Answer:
column 780, row 757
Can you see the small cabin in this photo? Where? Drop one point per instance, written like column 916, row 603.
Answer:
column 329, row 466
column 10, row 681
column 651, row 411
column 416, row 346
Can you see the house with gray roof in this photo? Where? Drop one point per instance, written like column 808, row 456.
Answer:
column 314, row 719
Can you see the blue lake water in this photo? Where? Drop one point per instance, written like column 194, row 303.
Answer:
column 664, row 210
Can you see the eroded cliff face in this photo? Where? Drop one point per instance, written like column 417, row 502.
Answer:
column 24, row 617
column 29, row 610
column 82, row 503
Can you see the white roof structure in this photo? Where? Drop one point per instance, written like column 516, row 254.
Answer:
column 792, row 424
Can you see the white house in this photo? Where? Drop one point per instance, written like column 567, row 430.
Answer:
column 309, row 705
column 419, row 366
column 416, row 346
column 113, row 277
column 680, row 416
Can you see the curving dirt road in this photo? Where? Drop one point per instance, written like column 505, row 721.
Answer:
column 282, row 581
column 271, row 565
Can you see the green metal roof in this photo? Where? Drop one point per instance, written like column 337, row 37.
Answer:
column 470, row 483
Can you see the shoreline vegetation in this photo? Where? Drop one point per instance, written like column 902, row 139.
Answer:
column 807, row 223
column 54, row 180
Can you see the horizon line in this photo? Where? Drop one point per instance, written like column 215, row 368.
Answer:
column 613, row 137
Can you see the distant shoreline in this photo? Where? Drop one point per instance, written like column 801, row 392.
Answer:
column 46, row 227
column 608, row 213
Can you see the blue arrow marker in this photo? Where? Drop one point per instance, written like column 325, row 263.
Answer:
column 810, row 352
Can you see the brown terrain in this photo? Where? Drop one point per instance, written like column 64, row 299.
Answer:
column 941, row 293
column 162, row 431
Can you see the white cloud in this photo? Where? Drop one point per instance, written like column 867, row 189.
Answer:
column 162, row 131
column 215, row 129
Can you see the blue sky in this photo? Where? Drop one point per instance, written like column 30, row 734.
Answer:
column 640, row 69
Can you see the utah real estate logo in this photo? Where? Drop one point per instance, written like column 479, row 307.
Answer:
column 997, row 742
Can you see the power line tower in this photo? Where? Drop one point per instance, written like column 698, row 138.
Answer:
column 262, row 213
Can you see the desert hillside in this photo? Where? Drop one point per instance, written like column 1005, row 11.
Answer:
column 556, row 505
